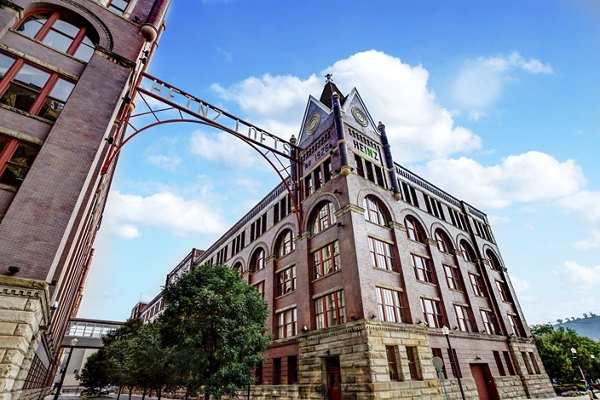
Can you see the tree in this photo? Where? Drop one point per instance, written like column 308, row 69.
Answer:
column 214, row 322
column 95, row 373
column 554, row 346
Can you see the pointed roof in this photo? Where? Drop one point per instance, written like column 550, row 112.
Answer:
column 329, row 89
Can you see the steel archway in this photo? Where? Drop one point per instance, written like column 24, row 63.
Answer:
column 162, row 100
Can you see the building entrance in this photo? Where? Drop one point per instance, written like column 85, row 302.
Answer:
column 486, row 387
column 334, row 378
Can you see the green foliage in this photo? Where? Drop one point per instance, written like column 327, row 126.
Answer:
column 214, row 322
column 208, row 339
column 554, row 346
column 95, row 373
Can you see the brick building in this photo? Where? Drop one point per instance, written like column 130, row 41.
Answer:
column 66, row 68
column 358, row 294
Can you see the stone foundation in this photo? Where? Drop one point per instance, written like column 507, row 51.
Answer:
column 24, row 307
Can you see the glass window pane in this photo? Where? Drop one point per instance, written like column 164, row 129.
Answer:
column 66, row 28
column 57, row 40
column 33, row 24
column 5, row 63
column 62, row 90
column 84, row 52
column 18, row 166
column 32, row 78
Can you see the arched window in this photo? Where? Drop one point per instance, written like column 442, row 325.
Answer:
column 323, row 218
column 468, row 252
column 257, row 262
column 494, row 262
column 443, row 242
column 59, row 32
column 285, row 243
column 375, row 211
column 414, row 230
column 238, row 267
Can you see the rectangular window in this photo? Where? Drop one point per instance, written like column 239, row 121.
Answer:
column 432, row 312
column 390, row 352
column 477, row 284
column 286, row 281
column 330, row 310
column 462, row 317
column 327, row 170
column 260, row 288
column 389, row 305
column 410, row 194
column 489, row 322
column 16, row 159
column 118, row 6
column 326, row 260
column 292, row 364
column 515, row 325
column 503, row 291
column 308, row 186
column 359, row 165
column 499, row 363
column 31, row 89
column 423, row 270
column 413, row 363
column 287, row 323
column 452, row 277
column 509, row 364
column 438, row 353
column 527, row 363
column 318, row 178
column 454, row 364
column 276, row 371
column 381, row 254
column 536, row 367
column 379, row 176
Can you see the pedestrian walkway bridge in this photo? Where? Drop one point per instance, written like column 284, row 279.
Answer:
column 88, row 332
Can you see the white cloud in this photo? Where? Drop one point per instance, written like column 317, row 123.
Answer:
column 480, row 83
column 527, row 177
column 126, row 212
column 169, row 162
column 514, row 60
column 585, row 204
column 125, row 231
column 224, row 148
column 582, row 276
column 590, row 242
column 521, row 286
column 394, row 92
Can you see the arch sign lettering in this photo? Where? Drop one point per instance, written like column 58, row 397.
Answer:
column 166, row 104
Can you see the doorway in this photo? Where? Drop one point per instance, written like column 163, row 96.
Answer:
column 334, row 378
column 486, row 387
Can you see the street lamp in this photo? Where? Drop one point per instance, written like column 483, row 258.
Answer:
column 587, row 385
column 446, row 332
column 64, row 371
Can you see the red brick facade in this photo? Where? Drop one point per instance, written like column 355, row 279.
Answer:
column 51, row 208
column 381, row 262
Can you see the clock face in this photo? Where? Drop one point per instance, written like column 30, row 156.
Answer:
column 313, row 123
column 360, row 116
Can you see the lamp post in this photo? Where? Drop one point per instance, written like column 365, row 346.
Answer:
column 446, row 332
column 587, row 385
column 64, row 370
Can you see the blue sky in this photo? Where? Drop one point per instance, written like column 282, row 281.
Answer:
column 496, row 102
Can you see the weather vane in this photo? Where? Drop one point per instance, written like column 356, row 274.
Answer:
column 328, row 77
